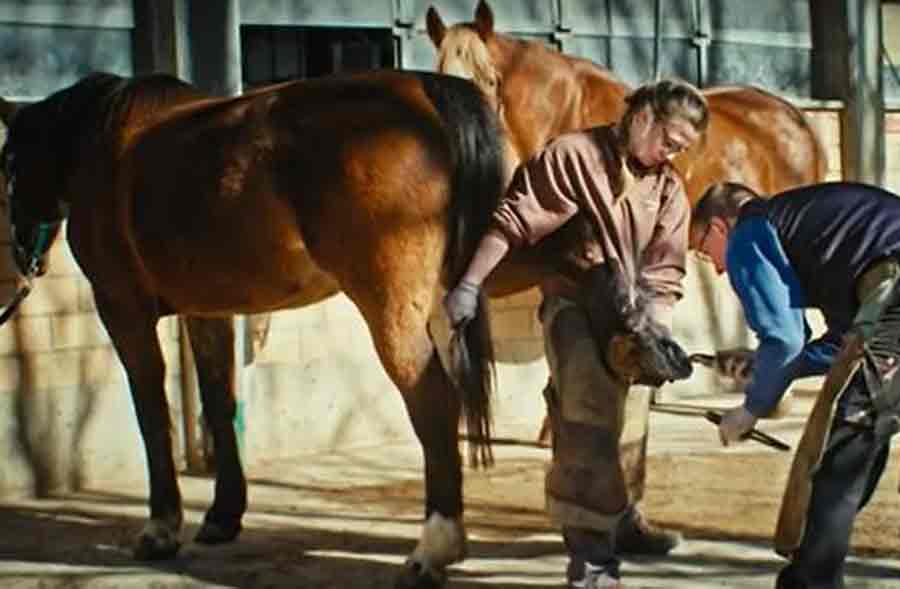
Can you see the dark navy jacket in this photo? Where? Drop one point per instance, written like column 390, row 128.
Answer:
column 800, row 249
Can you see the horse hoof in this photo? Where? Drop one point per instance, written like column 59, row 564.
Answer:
column 149, row 548
column 414, row 576
column 216, row 533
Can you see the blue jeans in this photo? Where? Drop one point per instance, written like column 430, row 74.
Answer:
column 852, row 465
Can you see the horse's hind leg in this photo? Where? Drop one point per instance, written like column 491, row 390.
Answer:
column 212, row 341
column 398, row 323
column 434, row 411
column 131, row 323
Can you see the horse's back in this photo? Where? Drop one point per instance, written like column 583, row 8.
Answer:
column 757, row 138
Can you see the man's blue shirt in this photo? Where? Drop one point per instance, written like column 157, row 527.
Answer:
column 773, row 301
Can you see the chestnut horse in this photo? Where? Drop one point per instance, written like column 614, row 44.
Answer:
column 754, row 137
column 209, row 207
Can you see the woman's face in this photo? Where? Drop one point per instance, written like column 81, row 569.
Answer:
column 654, row 141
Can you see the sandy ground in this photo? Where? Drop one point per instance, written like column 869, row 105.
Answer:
column 349, row 519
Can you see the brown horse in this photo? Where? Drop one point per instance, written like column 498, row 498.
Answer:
column 401, row 161
column 754, row 137
column 255, row 220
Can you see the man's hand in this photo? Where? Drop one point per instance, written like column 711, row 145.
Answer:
column 736, row 363
column 736, row 423
column 461, row 303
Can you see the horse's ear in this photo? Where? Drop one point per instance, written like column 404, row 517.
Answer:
column 435, row 26
column 7, row 110
column 484, row 20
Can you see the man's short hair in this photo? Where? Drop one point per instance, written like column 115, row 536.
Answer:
column 723, row 199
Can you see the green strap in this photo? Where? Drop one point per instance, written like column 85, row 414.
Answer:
column 42, row 242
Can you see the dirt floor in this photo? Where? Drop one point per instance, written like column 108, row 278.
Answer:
column 349, row 519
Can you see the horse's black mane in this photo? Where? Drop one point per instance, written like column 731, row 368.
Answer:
column 97, row 105
column 88, row 117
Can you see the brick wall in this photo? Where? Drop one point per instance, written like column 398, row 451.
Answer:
column 66, row 416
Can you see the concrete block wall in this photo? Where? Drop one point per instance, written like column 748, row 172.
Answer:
column 65, row 407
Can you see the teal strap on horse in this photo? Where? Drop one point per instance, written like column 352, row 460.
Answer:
column 45, row 234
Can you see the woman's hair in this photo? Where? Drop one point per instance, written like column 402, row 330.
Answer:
column 668, row 99
column 722, row 200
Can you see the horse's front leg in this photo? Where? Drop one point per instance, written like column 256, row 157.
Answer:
column 434, row 411
column 131, row 323
column 212, row 341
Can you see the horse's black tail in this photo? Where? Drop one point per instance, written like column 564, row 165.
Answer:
column 478, row 183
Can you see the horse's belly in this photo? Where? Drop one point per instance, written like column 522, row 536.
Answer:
column 240, row 277
column 236, row 293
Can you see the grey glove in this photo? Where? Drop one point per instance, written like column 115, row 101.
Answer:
column 461, row 303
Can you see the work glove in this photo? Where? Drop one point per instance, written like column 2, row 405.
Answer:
column 461, row 303
column 735, row 424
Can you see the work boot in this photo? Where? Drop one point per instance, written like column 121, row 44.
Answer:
column 597, row 577
column 635, row 535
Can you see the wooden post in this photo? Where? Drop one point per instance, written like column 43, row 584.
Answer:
column 215, row 39
column 160, row 37
column 847, row 66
